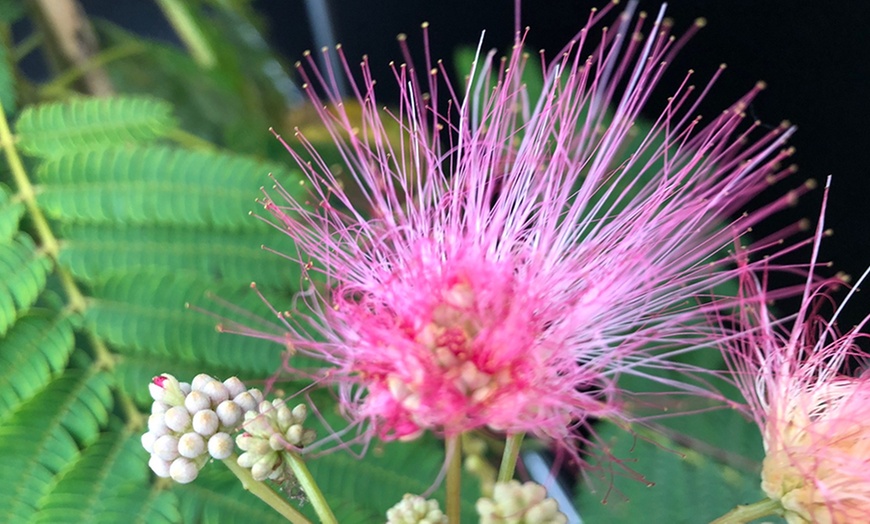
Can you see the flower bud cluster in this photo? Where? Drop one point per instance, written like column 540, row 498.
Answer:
column 414, row 509
column 191, row 422
column 515, row 503
column 271, row 432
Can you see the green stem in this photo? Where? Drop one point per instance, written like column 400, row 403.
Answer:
column 264, row 492
column 750, row 512
column 311, row 489
column 454, row 478
column 191, row 141
column 512, row 447
column 189, row 32
column 27, row 45
column 60, row 84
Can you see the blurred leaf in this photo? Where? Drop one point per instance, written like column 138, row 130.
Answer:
column 692, row 479
column 54, row 129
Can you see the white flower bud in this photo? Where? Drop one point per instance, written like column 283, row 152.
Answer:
column 546, row 511
column 284, row 416
column 258, row 445
column 157, row 425
column 191, row 445
column 159, row 466
column 165, row 388
column 166, row 447
column 258, row 425
column 201, row 380
column 177, row 418
column 147, row 440
column 216, row 391
column 183, row 470
column 308, row 437
column 157, row 392
column 246, row 401
column 257, row 394
column 300, row 413
column 197, row 401
column 263, row 467
column 158, row 408
column 414, row 509
column 220, row 446
column 265, row 407
column 229, row 413
column 235, row 387
column 294, row 435
column 243, row 440
column 277, row 442
column 512, row 500
column 205, row 422
column 185, row 387
column 247, row 460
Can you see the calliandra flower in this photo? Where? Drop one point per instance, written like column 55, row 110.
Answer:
column 813, row 412
column 506, row 259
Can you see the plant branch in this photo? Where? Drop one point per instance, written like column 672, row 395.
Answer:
column 264, row 492
column 75, row 41
column 454, row 478
column 61, row 82
column 189, row 32
column 311, row 489
column 750, row 512
column 512, row 446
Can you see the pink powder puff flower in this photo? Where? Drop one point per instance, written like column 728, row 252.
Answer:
column 505, row 260
column 814, row 414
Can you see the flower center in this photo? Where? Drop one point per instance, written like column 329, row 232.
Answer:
column 453, row 370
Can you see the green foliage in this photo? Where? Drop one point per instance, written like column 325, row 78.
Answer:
column 45, row 435
column 692, row 474
column 25, row 270
column 10, row 213
column 35, row 350
column 116, row 219
column 51, row 130
column 105, row 485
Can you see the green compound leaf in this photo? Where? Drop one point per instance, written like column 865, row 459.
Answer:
column 37, row 347
column 92, row 252
column 109, row 483
column 44, row 436
column 24, row 269
column 60, row 128
column 694, row 480
column 155, row 185
column 144, row 314
column 11, row 212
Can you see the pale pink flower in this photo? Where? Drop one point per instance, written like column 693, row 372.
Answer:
column 812, row 409
column 505, row 260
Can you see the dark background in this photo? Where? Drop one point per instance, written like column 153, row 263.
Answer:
column 815, row 61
